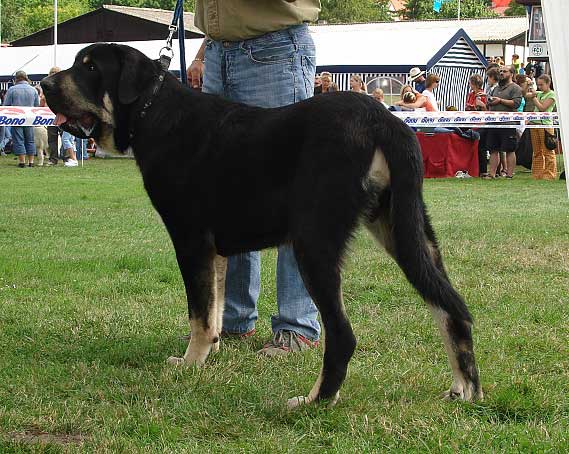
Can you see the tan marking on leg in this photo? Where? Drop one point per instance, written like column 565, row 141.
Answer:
column 203, row 336
column 299, row 401
column 220, row 272
column 379, row 170
column 460, row 388
column 381, row 231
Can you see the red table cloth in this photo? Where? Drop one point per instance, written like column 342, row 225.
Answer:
column 446, row 153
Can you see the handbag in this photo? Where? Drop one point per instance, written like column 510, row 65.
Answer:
column 550, row 140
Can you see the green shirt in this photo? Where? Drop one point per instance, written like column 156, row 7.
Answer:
column 541, row 96
column 237, row 20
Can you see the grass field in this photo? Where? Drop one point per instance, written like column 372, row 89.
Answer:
column 92, row 304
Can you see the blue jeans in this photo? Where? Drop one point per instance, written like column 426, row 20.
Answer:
column 23, row 140
column 272, row 70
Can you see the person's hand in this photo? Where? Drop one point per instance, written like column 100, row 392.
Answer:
column 480, row 103
column 195, row 74
column 530, row 94
column 494, row 101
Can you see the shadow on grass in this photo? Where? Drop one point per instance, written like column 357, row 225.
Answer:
column 514, row 404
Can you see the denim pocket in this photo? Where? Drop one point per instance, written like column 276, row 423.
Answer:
column 274, row 53
column 308, row 63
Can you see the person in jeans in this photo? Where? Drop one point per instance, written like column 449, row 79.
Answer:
column 261, row 54
column 24, row 95
column 52, row 131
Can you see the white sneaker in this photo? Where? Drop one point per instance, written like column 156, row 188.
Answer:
column 71, row 163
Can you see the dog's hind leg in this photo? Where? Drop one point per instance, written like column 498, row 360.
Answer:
column 447, row 307
column 320, row 270
column 199, row 274
column 220, row 272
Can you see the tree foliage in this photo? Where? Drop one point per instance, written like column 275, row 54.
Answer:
column 23, row 17
column 515, row 9
column 346, row 11
column 423, row 9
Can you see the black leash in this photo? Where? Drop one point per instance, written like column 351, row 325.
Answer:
column 166, row 54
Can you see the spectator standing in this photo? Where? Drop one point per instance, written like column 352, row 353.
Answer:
column 280, row 52
column 417, row 78
column 544, row 165
column 379, row 95
column 24, row 95
column 2, row 133
column 357, row 84
column 506, row 97
column 68, row 149
column 431, row 84
column 538, row 68
column 328, row 85
column 476, row 100
column 516, row 63
column 52, row 131
column 317, row 84
column 522, row 82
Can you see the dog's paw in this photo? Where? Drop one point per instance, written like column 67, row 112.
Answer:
column 300, row 401
column 296, row 402
column 175, row 361
column 462, row 393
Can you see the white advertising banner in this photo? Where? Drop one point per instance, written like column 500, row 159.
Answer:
column 42, row 116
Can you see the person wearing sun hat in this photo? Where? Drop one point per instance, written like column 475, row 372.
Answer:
column 417, row 77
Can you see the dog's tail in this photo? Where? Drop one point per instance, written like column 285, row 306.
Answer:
column 415, row 245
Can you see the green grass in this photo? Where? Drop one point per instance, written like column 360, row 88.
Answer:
column 91, row 305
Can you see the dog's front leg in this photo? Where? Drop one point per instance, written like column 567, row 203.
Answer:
column 198, row 271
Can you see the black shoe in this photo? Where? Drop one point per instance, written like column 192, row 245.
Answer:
column 21, row 165
column 31, row 164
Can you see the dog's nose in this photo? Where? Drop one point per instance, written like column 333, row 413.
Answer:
column 47, row 84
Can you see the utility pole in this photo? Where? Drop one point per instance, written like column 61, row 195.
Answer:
column 54, row 32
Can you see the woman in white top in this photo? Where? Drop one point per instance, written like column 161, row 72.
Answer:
column 357, row 84
column 432, row 83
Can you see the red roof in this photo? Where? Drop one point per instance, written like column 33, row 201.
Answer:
column 500, row 3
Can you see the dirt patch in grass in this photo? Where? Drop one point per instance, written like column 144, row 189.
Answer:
column 38, row 436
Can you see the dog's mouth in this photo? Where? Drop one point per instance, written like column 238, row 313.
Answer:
column 85, row 122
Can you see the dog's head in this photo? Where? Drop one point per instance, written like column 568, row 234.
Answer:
column 93, row 98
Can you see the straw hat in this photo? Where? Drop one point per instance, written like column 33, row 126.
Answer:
column 415, row 73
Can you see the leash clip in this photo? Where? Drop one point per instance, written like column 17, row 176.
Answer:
column 164, row 58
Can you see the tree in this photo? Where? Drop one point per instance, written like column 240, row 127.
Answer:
column 515, row 9
column 423, row 9
column 346, row 11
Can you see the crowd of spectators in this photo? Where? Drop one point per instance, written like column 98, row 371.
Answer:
column 21, row 140
column 505, row 88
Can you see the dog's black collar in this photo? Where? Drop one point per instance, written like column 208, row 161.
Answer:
column 164, row 64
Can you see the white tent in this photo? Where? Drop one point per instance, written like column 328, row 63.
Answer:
column 555, row 13
column 37, row 60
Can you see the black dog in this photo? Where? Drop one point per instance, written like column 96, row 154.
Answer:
column 228, row 178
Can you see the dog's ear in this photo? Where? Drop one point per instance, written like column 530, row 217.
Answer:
column 137, row 72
